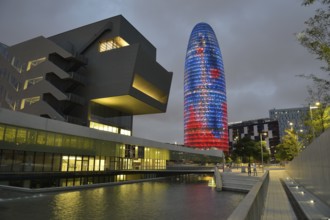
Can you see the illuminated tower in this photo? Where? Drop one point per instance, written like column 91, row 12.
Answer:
column 205, row 104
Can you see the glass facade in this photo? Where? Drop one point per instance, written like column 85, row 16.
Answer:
column 68, row 160
column 205, row 105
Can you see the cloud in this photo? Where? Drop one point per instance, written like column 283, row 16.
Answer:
column 261, row 55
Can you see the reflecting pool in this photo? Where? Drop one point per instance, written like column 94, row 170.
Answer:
column 148, row 200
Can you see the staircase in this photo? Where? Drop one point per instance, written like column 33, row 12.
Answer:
column 240, row 182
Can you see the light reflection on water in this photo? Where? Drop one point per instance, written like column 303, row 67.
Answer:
column 149, row 200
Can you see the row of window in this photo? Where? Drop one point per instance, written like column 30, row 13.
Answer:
column 28, row 161
column 26, row 137
column 103, row 127
column 111, row 44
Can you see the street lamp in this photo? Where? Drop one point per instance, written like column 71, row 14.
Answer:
column 291, row 126
column 262, row 152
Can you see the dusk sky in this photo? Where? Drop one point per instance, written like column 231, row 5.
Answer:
column 257, row 38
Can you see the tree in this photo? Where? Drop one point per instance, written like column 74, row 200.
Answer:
column 290, row 146
column 247, row 150
column 316, row 37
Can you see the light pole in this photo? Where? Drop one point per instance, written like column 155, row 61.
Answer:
column 311, row 112
column 262, row 152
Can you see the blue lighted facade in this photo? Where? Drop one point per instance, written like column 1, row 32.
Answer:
column 205, row 104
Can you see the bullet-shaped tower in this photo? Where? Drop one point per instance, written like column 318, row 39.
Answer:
column 205, row 102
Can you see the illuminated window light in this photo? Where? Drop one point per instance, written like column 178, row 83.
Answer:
column 125, row 132
column 30, row 82
column 34, row 63
column 102, row 127
column 111, row 44
column 29, row 101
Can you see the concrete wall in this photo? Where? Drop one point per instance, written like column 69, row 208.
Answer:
column 311, row 168
column 252, row 206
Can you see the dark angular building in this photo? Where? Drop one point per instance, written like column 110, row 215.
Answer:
column 205, row 102
column 94, row 77
column 98, row 75
column 252, row 129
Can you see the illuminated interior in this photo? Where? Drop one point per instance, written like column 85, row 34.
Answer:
column 128, row 104
column 103, row 127
column 78, row 163
column 111, row 44
column 30, row 82
column 34, row 63
column 112, row 129
column 29, row 101
column 125, row 132
column 149, row 89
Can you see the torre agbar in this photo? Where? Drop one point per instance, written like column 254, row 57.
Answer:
column 205, row 105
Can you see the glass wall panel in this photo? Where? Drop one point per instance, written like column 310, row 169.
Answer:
column 78, row 163
column 31, row 136
column 2, row 131
column 21, row 135
column 39, row 162
column 91, row 164
column 102, row 162
column 56, row 162
column 85, row 163
column 97, row 163
column 10, row 134
column 58, row 140
column 29, row 161
column 73, row 141
column 77, row 181
column 50, row 139
column 66, row 140
column 6, row 160
column 18, row 164
column 107, row 163
column 41, row 137
column 72, row 163
column 65, row 163
column 48, row 162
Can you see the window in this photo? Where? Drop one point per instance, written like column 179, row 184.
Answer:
column 125, row 132
column 29, row 101
column 34, row 63
column 31, row 82
column 103, row 127
column 10, row 134
column 111, row 44
column 2, row 131
column 21, row 135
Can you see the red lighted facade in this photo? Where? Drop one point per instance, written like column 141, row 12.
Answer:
column 205, row 104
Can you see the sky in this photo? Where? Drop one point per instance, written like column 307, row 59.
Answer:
column 261, row 55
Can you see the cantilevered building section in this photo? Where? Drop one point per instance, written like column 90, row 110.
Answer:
column 205, row 105
column 98, row 75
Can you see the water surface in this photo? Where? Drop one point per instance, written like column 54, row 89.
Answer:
column 148, row 200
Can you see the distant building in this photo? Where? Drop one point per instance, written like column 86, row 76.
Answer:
column 205, row 101
column 252, row 129
column 290, row 118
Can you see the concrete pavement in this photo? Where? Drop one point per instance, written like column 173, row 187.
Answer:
column 277, row 204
